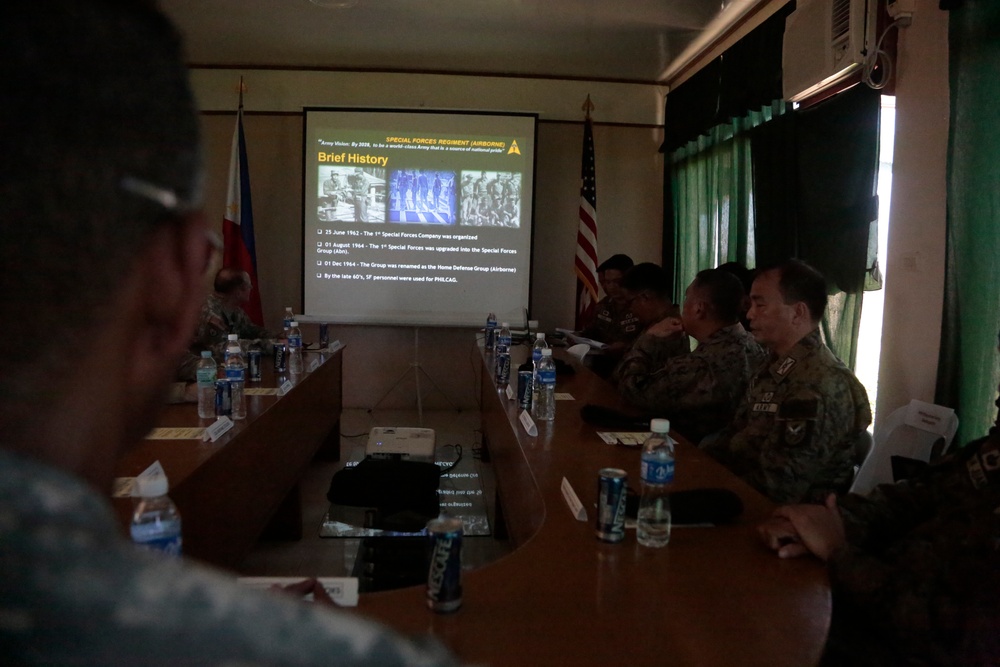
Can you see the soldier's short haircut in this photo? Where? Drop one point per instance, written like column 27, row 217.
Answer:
column 648, row 277
column 616, row 263
column 800, row 282
column 228, row 280
column 723, row 291
column 96, row 109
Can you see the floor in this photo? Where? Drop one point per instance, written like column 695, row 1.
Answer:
column 318, row 556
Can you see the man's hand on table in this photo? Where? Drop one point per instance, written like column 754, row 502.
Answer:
column 796, row 530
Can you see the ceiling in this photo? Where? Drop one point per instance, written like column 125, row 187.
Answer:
column 625, row 40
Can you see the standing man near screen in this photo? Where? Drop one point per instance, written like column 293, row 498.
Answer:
column 359, row 190
column 794, row 434
column 102, row 240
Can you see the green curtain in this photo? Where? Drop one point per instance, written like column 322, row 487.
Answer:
column 711, row 187
column 968, row 371
column 815, row 178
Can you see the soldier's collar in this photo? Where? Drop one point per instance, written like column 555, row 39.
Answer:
column 783, row 365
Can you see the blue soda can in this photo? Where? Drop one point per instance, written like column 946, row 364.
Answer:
column 280, row 358
column 611, row 483
column 444, row 578
column 254, row 359
column 324, row 336
column 524, row 389
column 502, row 365
column 223, row 398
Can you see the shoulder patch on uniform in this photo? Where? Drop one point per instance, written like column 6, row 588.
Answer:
column 796, row 431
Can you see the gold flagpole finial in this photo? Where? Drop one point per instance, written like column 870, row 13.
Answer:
column 587, row 107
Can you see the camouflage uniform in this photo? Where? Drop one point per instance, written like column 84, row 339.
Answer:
column 73, row 591
column 794, row 435
column 613, row 323
column 217, row 321
column 920, row 579
column 698, row 391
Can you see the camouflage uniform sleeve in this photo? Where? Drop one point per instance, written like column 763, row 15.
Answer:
column 657, row 372
column 808, row 451
column 247, row 329
column 920, row 570
column 211, row 334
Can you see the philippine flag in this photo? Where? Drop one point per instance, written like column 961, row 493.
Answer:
column 237, row 225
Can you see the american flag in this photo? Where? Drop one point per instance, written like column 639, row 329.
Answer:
column 586, row 237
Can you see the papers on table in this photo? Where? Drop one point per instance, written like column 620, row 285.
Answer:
column 575, row 338
column 342, row 590
column 176, row 433
column 623, row 438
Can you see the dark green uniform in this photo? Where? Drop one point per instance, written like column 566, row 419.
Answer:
column 613, row 323
column 794, row 435
column 698, row 391
column 919, row 583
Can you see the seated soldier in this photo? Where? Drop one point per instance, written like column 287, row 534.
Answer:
column 700, row 390
column 794, row 434
column 223, row 314
column 913, row 566
column 613, row 324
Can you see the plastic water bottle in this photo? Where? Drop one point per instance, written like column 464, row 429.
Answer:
column 295, row 364
column 491, row 331
column 536, row 356
column 156, row 523
column 656, row 474
column 544, row 405
column 287, row 320
column 236, row 370
column 537, row 347
column 503, row 336
column 207, row 372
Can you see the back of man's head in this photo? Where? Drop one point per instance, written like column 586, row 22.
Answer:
column 616, row 263
column 723, row 292
column 648, row 277
column 800, row 282
column 228, row 280
column 96, row 108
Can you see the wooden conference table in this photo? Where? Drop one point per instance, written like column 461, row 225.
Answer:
column 230, row 490
column 713, row 596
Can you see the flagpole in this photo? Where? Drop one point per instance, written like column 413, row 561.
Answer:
column 585, row 262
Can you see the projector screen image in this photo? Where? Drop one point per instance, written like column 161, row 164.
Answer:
column 417, row 218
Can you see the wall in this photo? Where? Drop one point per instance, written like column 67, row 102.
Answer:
column 378, row 368
column 911, row 329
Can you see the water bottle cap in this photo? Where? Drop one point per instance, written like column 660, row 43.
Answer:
column 539, row 336
column 505, row 324
column 206, row 354
column 660, row 426
column 151, row 486
column 234, row 337
column 547, row 352
column 295, row 323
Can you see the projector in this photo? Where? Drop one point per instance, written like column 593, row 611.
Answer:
column 390, row 442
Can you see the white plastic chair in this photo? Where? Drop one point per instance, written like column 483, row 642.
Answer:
column 911, row 432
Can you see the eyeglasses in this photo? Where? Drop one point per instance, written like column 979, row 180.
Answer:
column 165, row 197
column 169, row 200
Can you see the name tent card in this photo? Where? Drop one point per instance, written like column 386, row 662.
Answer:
column 216, row 430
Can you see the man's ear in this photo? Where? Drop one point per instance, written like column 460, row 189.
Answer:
column 170, row 289
column 801, row 312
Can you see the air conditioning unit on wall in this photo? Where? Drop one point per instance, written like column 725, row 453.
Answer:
column 825, row 42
